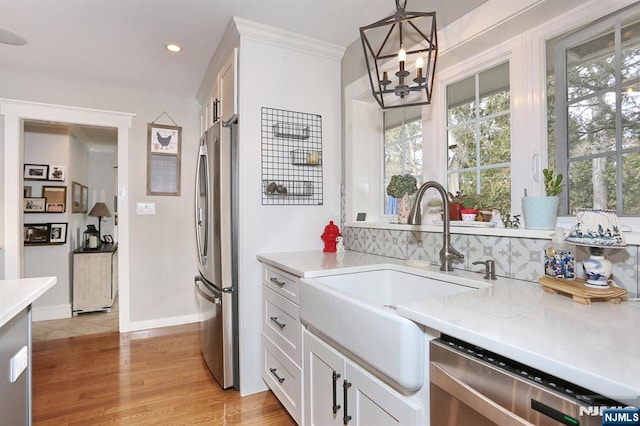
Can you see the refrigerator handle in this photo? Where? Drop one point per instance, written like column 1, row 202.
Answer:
column 201, row 213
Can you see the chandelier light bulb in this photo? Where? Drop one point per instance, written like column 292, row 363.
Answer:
column 402, row 54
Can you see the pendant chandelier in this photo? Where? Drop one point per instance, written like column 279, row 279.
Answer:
column 389, row 45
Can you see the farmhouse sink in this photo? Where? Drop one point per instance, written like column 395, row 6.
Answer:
column 357, row 311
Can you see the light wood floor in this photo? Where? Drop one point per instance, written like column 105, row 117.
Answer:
column 80, row 325
column 155, row 377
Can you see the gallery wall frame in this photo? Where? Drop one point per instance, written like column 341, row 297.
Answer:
column 36, row 172
column 58, row 233
column 56, row 198
column 34, row 204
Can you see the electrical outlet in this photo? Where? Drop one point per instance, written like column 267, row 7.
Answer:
column 145, row 208
column 19, row 363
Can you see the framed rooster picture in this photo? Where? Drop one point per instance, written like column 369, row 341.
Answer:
column 164, row 139
column 163, row 159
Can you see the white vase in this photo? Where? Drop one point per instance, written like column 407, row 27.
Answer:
column 540, row 212
column 404, row 208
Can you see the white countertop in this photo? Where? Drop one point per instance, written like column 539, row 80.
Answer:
column 594, row 346
column 15, row 295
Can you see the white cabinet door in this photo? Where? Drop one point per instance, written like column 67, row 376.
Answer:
column 339, row 392
column 371, row 402
column 228, row 88
column 323, row 380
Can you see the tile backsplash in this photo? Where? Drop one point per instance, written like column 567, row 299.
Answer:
column 517, row 258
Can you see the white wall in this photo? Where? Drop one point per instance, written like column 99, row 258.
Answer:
column 102, row 185
column 162, row 248
column 78, row 172
column 284, row 78
column 49, row 146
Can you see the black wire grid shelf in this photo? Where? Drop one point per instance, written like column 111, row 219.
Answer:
column 291, row 158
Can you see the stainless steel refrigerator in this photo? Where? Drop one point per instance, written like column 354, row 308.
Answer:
column 216, row 229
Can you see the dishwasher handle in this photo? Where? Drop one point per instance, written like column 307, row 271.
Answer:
column 472, row 398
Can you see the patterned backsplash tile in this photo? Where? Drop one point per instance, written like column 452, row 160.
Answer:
column 517, row 258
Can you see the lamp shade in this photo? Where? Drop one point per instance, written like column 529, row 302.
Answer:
column 596, row 228
column 100, row 210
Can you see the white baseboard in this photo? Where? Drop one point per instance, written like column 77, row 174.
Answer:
column 43, row 313
column 162, row 322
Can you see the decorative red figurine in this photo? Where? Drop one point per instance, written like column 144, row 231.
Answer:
column 331, row 232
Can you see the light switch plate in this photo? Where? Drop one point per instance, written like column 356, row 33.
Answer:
column 19, row 363
column 145, row 208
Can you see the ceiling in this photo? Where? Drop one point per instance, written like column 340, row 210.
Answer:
column 121, row 42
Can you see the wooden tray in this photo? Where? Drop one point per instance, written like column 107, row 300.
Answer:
column 581, row 293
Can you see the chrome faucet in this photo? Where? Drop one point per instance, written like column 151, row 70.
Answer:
column 447, row 253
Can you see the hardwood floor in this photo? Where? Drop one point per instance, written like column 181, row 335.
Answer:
column 154, row 377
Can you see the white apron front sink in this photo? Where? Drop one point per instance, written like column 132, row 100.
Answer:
column 357, row 311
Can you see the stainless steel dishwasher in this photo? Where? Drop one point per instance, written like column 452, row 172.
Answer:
column 473, row 386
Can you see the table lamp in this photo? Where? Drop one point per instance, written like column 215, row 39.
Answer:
column 100, row 210
column 596, row 229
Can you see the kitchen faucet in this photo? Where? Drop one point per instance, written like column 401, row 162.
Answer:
column 447, row 253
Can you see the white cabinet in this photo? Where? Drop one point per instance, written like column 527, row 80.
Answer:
column 227, row 87
column 338, row 391
column 95, row 279
column 282, row 339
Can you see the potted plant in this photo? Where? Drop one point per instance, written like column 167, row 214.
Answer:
column 469, row 210
column 401, row 187
column 455, row 205
column 541, row 212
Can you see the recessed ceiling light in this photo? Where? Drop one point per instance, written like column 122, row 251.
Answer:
column 173, row 48
column 8, row 36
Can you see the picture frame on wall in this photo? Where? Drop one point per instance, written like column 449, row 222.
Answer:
column 77, row 193
column 34, row 205
column 56, row 173
column 56, row 198
column 58, row 233
column 163, row 159
column 36, row 233
column 36, row 172
column 164, row 139
column 26, row 191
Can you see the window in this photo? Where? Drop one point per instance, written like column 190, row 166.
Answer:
column 402, row 147
column 479, row 137
column 593, row 104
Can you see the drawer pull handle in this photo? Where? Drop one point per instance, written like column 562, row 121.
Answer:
column 273, row 371
column 335, row 378
column 278, row 323
column 277, row 282
column 345, row 388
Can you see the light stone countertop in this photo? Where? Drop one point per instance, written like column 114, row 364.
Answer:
column 17, row 294
column 594, row 346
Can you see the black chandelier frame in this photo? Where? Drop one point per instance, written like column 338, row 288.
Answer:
column 385, row 94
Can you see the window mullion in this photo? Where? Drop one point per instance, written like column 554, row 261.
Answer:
column 618, row 89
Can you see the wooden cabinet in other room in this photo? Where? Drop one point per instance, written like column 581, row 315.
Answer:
column 95, row 278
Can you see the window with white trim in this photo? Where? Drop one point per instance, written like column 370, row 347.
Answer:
column 402, row 148
column 593, row 104
column 479, row 137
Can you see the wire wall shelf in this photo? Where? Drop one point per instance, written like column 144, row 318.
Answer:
column 291, row 158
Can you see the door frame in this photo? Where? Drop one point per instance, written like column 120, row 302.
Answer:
column 13, row 114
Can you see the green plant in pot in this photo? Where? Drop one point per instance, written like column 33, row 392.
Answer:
column 469, row 210
column 541, row 212
column 401, row 187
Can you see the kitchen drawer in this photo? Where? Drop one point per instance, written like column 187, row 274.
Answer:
column 281, row 282
column 283, row 377
column 282, row 324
